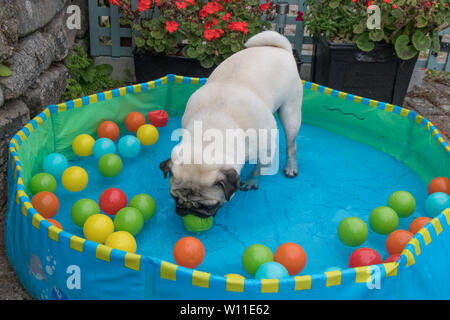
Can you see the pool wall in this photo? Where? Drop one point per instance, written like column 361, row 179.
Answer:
column 54, row 264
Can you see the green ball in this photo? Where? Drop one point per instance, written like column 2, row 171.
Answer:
column 403, row 203
column 255, row 256
column 110, row 165
column 383, row 220
column 42, row 182
column 129, row 219
column 82, row 210
column 145, row 204
column 352, row 231
column 196, row 224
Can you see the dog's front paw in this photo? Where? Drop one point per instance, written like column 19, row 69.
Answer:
column 291, row 171
column 251, row 183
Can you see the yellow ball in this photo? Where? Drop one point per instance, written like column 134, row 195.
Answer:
column 74, row 179
column 98, row 227
column 121, row 240
column 234, row 276
column 147, row 134
column 82, row 145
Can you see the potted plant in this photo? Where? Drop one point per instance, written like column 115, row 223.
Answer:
column 190, row 37
column 355, row 53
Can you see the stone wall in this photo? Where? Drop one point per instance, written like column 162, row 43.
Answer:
column 34, row 41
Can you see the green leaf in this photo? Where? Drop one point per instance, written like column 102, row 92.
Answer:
column 421, row 41
column 376, row 35
column 364, row 43
column 334, row 4
column 192, row 53
column 104, row 69
column 159, row 47
column 397, row 13
column 359, row 28
column 421, row 21
column 139, row 42
column 4, row 71
column 208, row 62
column 235, row 47
column 404, row 50
column 157, row 34
column 435, row 43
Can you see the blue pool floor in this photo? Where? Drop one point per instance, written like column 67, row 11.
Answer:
column 337, row 178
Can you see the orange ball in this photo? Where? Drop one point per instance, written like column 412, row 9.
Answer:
column 397, row 240
column 134, row 120
column 46, row 203
column 55, row 223
column 440, row 184
column 418, row 224
column 188, row 252
column 108, row 129
column 291, row 256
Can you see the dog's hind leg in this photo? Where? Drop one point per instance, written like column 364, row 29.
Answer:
column 290, row 115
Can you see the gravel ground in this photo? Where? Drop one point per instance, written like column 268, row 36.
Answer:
column 431, row 100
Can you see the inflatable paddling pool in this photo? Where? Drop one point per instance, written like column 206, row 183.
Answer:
column 353, row 153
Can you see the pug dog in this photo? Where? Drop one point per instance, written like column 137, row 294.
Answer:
column 242, row 94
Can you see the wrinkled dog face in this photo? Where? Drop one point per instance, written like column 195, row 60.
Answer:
column 199, row 190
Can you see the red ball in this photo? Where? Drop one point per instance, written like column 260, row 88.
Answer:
column 393, row 258
column 108, row 129
column 291, row 256
column 158, row 118
column 364, row 257
column 189, row 252
column 418, row 224
column 439, row 184
column 45, row 203
column 134, row 120
column 55, row 223
column 112, row 200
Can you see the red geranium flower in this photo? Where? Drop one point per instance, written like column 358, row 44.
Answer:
column 265, row 6
column 191, row 2
column 299, row 16
column 238, row 26
column 210, row 34
column 210, row 8
column 172, row 26
column 181, row 4
column 114, row 2
column 144, row 5
column 226, row 16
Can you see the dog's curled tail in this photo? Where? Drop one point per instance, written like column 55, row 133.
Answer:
column 269, row 39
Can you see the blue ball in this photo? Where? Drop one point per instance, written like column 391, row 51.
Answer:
column 103, row 146
column 271, row 270
column 436, row 203
column 129, row 146
column 55, row 164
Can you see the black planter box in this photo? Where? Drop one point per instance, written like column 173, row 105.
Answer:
column 378, row 74
column 150, row 66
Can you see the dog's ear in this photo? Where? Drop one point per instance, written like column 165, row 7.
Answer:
column 166, row 167
column 230, row 182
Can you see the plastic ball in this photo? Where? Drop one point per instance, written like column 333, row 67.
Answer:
column 110, row 165
column 121, row 240
column 392, row 258
column 75, row 179
column 403, row 203
column 158, row 118
column 145, row 204
column 255, row 256
column 42, row 182
column 397, row 241
column 439, row 184
column 108, row 129
column 112, row 200
column 98, row 227
column 352, row 231
column 129, row 219
column 291, row 256
column 46, row 203
column 418, row 224
column 436, row 203
column 103, row 146
column 55, row 164
column 193, row 223
column 147, row 134
column 129, row 146
column 55, row 223
column 383, row 220
column 271, row 270
column 82, row 145
column 234, row 276
column 364, row 257
column 134, row 120
column 188, row 252
column 82, row 210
